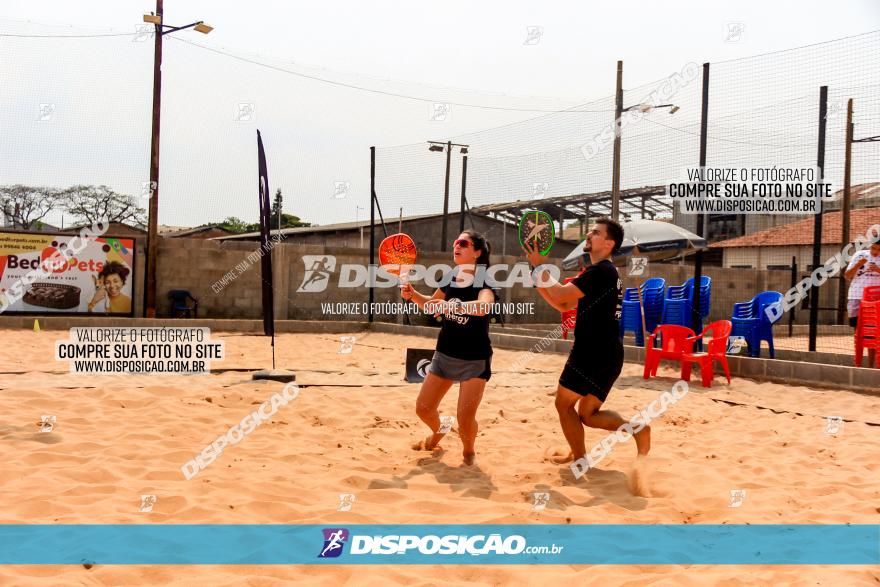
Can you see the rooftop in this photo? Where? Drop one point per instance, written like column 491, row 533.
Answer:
column 801, row 232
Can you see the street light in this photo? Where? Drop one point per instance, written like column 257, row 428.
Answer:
column 439, row 147
column 162, row 29
column 618, row 112
column 615, row 178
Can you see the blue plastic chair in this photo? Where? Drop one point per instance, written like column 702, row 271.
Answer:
column 679, row 303
column 631, row 318
column 752, row 323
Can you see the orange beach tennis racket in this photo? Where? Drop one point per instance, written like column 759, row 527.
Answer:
column 399, row 251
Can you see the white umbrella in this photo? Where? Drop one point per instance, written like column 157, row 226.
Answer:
column 644, row 238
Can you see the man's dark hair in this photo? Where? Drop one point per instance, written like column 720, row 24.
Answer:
column 614, row 230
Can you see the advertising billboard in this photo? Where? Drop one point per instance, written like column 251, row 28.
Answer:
column 89, row 273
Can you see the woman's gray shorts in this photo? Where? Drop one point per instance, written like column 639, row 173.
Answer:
column 459, row 369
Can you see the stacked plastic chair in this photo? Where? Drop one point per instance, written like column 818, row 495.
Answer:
column 653, row 291
column 680, row 301
column 750, row 321
column 868, row 326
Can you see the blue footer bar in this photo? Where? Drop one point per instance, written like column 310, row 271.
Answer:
column 173, row 544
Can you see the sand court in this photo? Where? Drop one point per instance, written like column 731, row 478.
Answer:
column 117, row 438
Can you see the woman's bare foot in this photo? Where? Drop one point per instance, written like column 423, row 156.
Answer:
column 558, row 456
column 468, row 458
column 431, row 443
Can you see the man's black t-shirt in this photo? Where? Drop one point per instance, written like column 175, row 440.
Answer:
column 461, row 335
column 597, row 329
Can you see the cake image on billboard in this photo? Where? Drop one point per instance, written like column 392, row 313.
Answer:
column 53, row 295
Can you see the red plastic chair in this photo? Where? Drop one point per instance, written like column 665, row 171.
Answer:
column 868, row 330
column 867, row 335
column 716, row 350
column 675, row 342
column 871, row 294
column 568, row 318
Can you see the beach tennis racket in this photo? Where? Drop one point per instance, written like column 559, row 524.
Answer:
column 397, row 250
column 536, row 227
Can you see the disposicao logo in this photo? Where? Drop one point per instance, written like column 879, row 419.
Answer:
column 317, row 273
column 334, row 540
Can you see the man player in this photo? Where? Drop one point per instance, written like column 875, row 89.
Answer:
column 596, row 357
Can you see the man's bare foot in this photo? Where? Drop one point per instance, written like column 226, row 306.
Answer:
column 431, row 443
column 640, row 477
column 558, row 456
column 643, row 441
column 468, row 458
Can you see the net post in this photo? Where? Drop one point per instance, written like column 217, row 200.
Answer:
column 817, row 223
column 372, row 229
column 701, row 218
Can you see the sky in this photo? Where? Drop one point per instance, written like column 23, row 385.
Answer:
column 77, row 110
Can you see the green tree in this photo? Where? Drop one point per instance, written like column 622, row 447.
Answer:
column 235, row 225
column 90, row 203
column 24, row 206
column 291, row 221
column 287, row 220
column 239, row 226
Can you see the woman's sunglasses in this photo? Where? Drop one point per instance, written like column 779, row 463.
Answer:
column 462, row 243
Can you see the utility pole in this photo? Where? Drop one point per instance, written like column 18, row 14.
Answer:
column 615, row 174
column 152, row 222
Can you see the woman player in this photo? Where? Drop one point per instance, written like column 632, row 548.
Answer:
column 464, row 351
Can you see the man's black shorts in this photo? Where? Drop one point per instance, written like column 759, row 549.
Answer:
column 593, row 374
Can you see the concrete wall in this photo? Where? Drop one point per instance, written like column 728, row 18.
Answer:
column 197, row 265
column 730, row 286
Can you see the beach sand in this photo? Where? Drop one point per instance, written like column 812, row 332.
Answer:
column 118, row 437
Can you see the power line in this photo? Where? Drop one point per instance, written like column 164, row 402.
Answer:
column 69, row 36
column 373, row 90
column 797, row 48
column 714, row 138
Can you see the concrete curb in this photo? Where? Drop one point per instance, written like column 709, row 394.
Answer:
column 784, row 371
column 215, row 324
column 760, row 369
column 795, row 367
